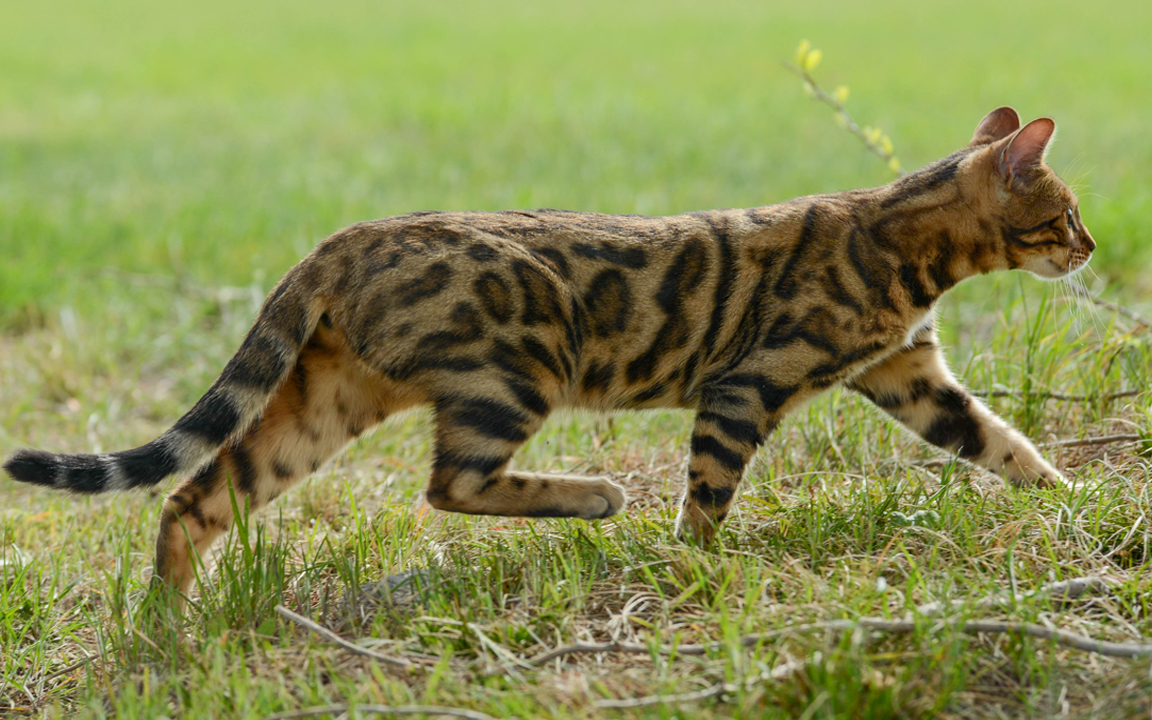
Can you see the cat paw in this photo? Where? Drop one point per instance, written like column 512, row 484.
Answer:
column 695, row 528
column 1049, row 479
column 608, row 500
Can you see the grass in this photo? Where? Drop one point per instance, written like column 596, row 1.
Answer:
column 162, row 166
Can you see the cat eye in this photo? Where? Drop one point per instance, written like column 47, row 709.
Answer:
column 1071, row 216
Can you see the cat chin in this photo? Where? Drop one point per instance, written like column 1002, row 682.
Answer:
column 1049, row 270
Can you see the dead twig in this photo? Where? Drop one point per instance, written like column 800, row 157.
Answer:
column 428, row 710
column 972, row 627
column 1104, row 440
column 1058, row 396
column 715, row 690
column 333, row 637
column 1061, row 591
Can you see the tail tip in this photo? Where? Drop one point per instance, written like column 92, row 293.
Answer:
column 33, row 466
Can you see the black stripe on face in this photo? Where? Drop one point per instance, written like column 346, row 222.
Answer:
column 1015, row 236
column 726, row 457
column 742, row 431
column 490, row 418
column 214, row 418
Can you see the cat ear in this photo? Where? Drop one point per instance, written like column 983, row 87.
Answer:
column 1024, row 152
column 996, row 125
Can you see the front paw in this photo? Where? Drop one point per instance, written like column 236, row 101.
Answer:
column 1046, row 479
column 694, row 527
column 607, row 500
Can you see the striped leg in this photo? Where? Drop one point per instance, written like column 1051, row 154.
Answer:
column 475, row 439
column 916, row 388
column 731, row 423
column 327, row 400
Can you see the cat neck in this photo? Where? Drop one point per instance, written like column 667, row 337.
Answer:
column 931, row 230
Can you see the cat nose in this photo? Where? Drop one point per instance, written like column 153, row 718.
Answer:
column 1086, row 238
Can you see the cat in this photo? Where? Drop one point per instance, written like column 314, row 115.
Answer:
column 497, row 319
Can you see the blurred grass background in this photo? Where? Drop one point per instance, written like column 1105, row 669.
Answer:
column 217, row 142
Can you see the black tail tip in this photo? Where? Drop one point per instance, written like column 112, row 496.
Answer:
column 33, row 466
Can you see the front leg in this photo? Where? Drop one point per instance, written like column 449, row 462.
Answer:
column 915, row 387
column 731, row 423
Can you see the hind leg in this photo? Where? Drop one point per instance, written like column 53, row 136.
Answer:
column 327, row 401
column 476, row 436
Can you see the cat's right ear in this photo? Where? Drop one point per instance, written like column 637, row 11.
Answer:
column 996, row 125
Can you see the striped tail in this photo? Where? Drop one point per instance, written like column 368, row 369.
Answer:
column 225, row 412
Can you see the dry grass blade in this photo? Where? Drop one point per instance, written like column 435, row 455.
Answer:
column 426, row 710
column 333, row 637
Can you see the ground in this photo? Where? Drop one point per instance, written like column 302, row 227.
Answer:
column 162, row 166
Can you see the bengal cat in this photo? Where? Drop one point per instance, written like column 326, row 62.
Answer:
column 497, row 319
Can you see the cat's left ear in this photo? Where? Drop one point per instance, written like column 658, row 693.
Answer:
column 996, row 125
column 1023, row 153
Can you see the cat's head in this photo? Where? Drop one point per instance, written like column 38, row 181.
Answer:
column 1039, row 214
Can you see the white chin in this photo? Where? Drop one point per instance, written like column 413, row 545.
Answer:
column 1046, row 270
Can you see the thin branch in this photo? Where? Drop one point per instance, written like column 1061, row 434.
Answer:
column 429, row 710
column 1104, row 440
column 333, row 637
column 688, row 649
column 820, row 94
column 714, row 691
column 1061, row 591
column 65, row 670
column 1043, row 395
column 1062, row 637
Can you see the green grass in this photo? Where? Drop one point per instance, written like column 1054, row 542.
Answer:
column 162, row 166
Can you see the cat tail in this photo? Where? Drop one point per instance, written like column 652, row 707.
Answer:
column 234, row 401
